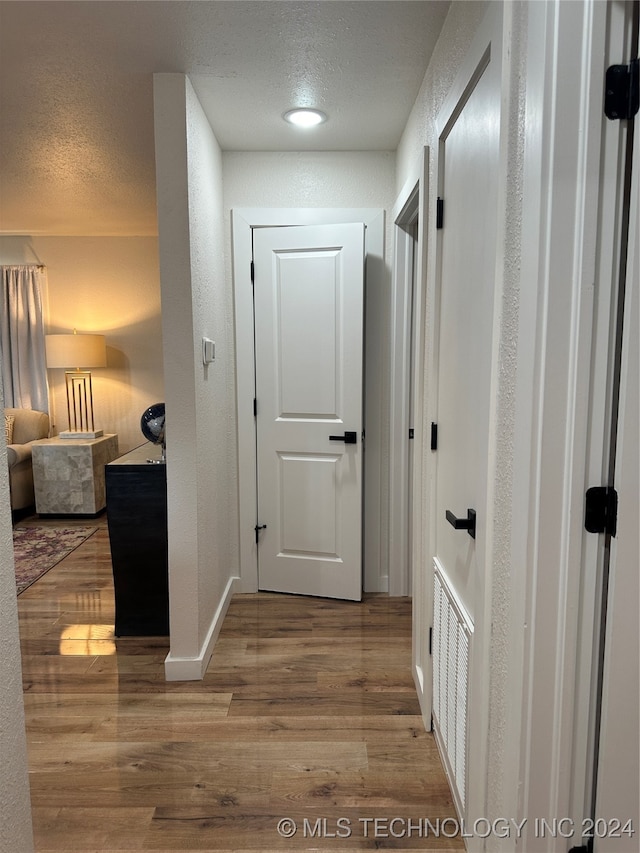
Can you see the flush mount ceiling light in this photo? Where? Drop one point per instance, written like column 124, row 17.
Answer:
column 303, row 117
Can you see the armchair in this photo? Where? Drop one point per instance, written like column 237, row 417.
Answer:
column 28, row 425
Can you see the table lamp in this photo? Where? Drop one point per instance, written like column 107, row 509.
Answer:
column 79, row 352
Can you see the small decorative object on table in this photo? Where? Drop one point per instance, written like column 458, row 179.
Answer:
column 152, row 424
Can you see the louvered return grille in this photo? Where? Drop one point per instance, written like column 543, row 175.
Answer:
column 452, row 633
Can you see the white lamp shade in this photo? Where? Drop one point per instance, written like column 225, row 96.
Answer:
column 79, row 351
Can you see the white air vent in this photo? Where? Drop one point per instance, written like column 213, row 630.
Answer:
column 452, row 632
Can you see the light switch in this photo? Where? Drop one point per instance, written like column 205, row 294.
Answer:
column 208, row 351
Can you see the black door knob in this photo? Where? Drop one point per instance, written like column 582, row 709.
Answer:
column 468, row 523
column 348, row 438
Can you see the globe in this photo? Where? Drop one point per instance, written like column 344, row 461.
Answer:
column 152, row 424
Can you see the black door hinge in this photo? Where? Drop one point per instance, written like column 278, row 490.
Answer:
column 621, row 92
column 434, row 436
column 601, row 510
column 412, row 433
column 253, row 273
column 255, row 408
column 430, row 641
column 440, row 213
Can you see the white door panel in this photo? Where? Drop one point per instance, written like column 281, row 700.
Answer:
column 305, row 330
column 308, row 527
column 309, row 334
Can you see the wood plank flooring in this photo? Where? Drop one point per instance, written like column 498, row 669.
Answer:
column 307, row 712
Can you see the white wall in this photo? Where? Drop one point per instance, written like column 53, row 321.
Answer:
column 201, row 422
column 335, row 180
column 109, row 285
column 458, row 30
column 308, row 179
column 15, row 807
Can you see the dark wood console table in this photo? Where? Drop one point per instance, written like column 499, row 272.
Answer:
column 137, row 520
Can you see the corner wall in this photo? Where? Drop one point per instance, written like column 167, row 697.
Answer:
column 16, row 835
column 200, row 400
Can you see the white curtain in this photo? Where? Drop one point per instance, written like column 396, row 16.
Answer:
column 22, row 350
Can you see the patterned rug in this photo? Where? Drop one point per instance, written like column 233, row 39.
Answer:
column 38, row 549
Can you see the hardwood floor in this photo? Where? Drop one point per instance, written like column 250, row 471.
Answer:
column 307, row 712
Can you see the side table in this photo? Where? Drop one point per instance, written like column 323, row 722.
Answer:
column 137, row 519
column 68, row 474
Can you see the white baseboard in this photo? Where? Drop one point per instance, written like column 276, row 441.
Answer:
column 425, row 707
column 381, row 585
column 193, row 669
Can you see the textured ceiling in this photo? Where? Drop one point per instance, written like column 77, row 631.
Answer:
column 76, row 116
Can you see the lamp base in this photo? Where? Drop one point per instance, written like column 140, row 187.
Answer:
column 96, row 433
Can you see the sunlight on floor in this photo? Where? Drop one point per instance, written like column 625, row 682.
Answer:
column 87, row 640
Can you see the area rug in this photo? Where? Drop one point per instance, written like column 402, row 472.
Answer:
column 38, row 549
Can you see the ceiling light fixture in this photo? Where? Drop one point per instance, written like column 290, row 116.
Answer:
column 304, row 117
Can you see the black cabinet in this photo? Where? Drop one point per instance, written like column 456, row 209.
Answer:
column 137, row 521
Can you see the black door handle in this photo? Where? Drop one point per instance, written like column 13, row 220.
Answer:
column 468, row 523
column 348, row 438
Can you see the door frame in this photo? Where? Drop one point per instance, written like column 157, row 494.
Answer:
column 612, row 791
column 550, row 550
column 243, row 221
column 597, row 623
column 412, row 199
column 409, row 269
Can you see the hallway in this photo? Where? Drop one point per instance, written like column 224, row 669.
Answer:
column 308, row 712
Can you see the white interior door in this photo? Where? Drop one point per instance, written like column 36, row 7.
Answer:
column 466, row 319
column 309, row 301
column 468, row 179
